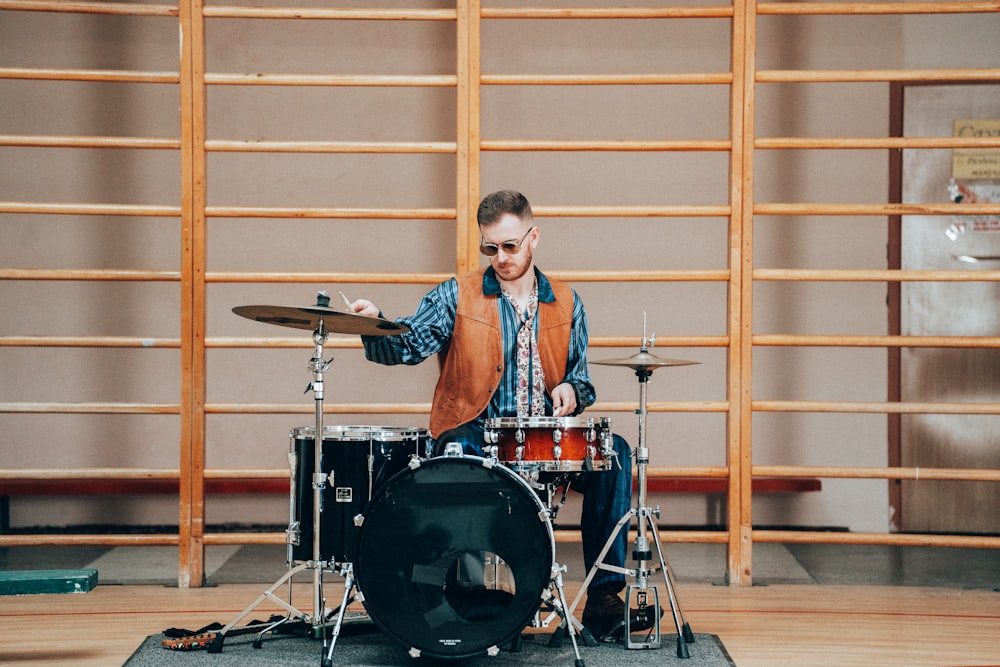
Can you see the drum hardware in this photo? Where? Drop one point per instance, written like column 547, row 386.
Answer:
column 321, row 320
column 644, row 363
column 347, row 572
column 452, row 449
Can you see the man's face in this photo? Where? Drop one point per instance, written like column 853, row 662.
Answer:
column 509, row 229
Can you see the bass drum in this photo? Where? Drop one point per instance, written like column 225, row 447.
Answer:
column 357, row 461
column 427, row 546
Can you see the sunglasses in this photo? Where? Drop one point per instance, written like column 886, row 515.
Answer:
column 509, row 247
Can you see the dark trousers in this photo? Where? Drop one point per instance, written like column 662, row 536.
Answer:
column 607, row 497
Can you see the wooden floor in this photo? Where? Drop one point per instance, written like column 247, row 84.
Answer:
column 761, row 626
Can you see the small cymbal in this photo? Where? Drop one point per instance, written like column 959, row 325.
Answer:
column 642, row 361
column 334, row 321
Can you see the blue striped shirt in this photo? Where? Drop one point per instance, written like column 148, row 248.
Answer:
column 431, row 327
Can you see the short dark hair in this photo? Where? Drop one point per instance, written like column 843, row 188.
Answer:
column 499, row 203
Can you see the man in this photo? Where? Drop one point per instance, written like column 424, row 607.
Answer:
column 513, row 343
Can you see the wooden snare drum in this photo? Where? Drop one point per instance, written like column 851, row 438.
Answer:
column 551, row 444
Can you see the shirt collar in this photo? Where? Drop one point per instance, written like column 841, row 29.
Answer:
column 491, row 286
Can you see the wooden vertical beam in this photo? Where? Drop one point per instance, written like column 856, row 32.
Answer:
column 894, row 297
column 738, row 454
column 191, row 569
column 467, row 134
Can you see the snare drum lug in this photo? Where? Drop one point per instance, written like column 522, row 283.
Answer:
column 519, row 436
column 557, row 452
column 519, row 452
column 591, row 435
column 557, row 436
column 491, row 437
column 492, row 452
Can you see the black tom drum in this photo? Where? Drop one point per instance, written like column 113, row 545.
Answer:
column 428, row 545
column 357, row 460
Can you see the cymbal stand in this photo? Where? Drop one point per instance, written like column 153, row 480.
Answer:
column 318, row 366
column 642, row 553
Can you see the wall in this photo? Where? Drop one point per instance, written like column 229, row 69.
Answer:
column 267, row 376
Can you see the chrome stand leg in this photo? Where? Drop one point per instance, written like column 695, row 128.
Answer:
column 347, row 570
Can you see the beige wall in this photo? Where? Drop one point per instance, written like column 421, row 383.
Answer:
column 40, row 374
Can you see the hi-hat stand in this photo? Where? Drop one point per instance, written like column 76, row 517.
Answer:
column 648, row 611
column 321, row 320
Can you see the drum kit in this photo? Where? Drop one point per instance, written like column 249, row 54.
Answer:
column 373, row 505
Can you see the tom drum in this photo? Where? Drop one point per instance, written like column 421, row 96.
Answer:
column 357, row 461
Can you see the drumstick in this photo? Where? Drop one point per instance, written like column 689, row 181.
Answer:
column 347, row 302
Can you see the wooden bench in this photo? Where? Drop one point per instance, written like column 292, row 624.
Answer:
column 715, row 487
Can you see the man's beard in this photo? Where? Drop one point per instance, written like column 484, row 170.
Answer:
column 516, row 269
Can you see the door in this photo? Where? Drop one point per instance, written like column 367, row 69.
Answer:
column 963, row 375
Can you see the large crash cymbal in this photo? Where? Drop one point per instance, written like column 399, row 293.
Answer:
column 334, row 321
column 644, row 361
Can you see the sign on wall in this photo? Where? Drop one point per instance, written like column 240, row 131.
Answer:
column 976, row 163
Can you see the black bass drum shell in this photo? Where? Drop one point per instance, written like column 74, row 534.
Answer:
column 427, row 538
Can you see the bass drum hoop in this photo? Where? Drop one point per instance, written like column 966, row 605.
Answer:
column 416, row 530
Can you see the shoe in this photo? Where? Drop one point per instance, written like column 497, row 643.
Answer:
column 604, row 614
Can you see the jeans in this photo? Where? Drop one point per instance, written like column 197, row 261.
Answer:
column 607, row 497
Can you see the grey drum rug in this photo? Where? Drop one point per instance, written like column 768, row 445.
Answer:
column 364, row 646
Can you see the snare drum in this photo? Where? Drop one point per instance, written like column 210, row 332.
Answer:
column 428, row 543
column 357, row 461
column 552, row 444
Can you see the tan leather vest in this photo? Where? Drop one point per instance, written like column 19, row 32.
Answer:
column 473, row 362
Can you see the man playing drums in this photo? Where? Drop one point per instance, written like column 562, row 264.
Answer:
column 513, row 343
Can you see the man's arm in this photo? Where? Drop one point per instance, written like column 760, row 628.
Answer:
column 577, row 371
column 430, row 328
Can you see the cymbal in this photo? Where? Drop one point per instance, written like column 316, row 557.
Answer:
column 334, row 321
column 642, row 361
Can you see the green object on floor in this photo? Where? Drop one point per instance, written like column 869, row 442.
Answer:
column 39, row 582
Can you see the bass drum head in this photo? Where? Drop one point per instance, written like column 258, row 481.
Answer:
column 427, row 550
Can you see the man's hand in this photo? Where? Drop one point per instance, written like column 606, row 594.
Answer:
column 563, row 400
column 363, row 307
